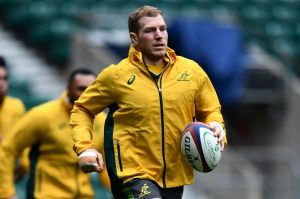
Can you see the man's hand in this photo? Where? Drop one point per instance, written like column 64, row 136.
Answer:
column 90, row 161
column 219, row 132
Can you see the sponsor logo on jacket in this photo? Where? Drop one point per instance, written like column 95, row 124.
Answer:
column 131, row 79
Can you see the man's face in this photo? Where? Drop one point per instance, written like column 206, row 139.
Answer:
column 3, row 82
column 79, row 84
column 152, row 38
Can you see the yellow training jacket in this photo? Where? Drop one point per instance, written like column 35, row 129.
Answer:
column 10, row 112
column 144, row 126
column 54, row 170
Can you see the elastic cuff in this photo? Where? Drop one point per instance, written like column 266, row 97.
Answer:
column 88, row 154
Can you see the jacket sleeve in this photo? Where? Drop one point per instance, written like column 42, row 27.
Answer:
column 24, row 134
column 23, row 158
column 208, row 107
column 7, row 187
column 92, row 101
column 98, row 139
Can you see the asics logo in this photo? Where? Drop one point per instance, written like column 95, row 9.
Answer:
column 131, row 79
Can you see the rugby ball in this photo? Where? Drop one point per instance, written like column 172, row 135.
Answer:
column 200, row 147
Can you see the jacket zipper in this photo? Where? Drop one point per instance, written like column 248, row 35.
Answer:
column 119, row 155
column 159, row 88
column 162, row 133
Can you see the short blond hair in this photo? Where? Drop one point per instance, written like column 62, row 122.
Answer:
column 145, row 11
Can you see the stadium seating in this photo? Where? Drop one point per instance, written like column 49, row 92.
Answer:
column 48, row 26
column 22, row 90
column 38, row 22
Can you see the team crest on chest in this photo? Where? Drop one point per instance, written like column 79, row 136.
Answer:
column 184, row 76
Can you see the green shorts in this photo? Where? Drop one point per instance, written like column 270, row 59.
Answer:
column 147, row 189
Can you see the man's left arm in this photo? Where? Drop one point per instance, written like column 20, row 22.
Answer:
column 208, row 110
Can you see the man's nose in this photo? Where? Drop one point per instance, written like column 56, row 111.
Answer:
column 158, row 34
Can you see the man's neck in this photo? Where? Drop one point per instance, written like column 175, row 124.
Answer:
column 153, row 62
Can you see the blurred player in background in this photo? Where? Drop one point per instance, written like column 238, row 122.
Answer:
column 152, row 96
column 54, row 170
column 11, row 110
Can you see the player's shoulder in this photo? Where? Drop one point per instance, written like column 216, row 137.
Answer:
column 14, row 105
column 45, row 112
column 114, row 71
column 189, row 64
column 182, row 59
column 47, row 107
column 119, row 67
column 15, row 100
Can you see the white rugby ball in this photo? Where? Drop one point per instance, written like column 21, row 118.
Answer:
column 200, row 147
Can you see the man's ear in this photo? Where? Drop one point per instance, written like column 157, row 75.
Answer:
column 133, row 38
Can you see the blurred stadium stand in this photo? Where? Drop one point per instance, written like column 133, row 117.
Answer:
column 260, row 106
column 250, row 173
column 30, row 77
column 218, row 48
column 272, row 24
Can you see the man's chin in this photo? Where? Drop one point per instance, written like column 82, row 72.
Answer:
column 160, row 54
